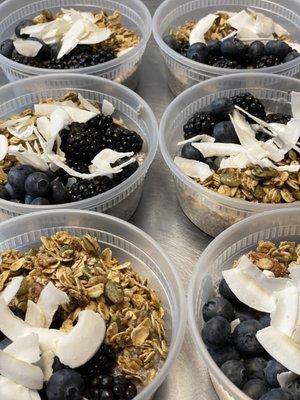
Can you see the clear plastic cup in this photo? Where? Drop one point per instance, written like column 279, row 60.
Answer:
column 182, row 72
column 210, row 211
column 128, row 243
column 122, row 200
column 276, row 226
column 123, row 69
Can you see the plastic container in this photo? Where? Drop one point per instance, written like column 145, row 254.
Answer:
column 128, row 243
column 182, row 72
column 122, row 70
column 122, row 200
column 210, row 211
column 276, row 226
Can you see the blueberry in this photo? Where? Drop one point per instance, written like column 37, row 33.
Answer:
column 224, row 132
column 3, row 193
column 190, row 152
column 226, row 292
column 106, row 381
column 198, row 52
column 277, row 394
column 294, row 388
column 6, row 48
column 120, row 380
column 65, row 384
column 265, row 320
column 214, row 47
column 37, row 184
column 272, row 369
column 17, row 176
column 13, row 192
column 255, row 51
column 235, row 371
column 119, row 390
column 218, row 306
column 131, row 391
column 106, row 395
column 57, row 365
column 59, row 192
column 40, row 201
column 4, row 343
column 291, row 56
column 255, row 388
column 28, row 199
column 255, row 367
column 233, row 48
column 171, row 41
column 20, row 26
column 222, row 354
column 277, row 48
column 221, row 107
column 245, row 341
column 55, row 48
column 216, row 331
column 243, row 315
column 45, row 51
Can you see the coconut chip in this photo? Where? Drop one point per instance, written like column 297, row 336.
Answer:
column 194, row 169
column 27, row 48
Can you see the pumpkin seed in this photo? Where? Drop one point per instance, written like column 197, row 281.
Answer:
column 91, row 246
column 259, row 192
column 230, row 179
column 263, row 173
column 114, row 292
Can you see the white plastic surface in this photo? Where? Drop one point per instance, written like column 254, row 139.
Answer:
column 183, row 72
column 275, row 226
column 210, row 211
column 122, row 70
column 120, row 201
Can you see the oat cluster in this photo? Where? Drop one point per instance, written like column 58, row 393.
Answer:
column 95, row 280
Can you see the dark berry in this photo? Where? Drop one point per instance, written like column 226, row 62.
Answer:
column 106, row 381
column 120, row 380
column 20, row 26
column 106, row 394
column 222, row 354
column 29, row 198
column 198, row 52
column 131, row 391
column 103, row 362
column 262, row 136
column 119, row 390
column 218, row 306
column 122, row 140
column 255, row 388
column 267, row 61
column 55, row 48
column 4, row 343
column 272, row 369
column 243, row 315
column 214, row 47
column 45, row 51
column 184, row 48
column 277, row 394
column 216, row 331
column 37, row 184
column 291, row 56
column 59, row 192
column 222, row 62
column 65, row 384
column 18, row 175
column 84, row 189
column 245, row 341
column 255, row 367
column 226, row 292
column 235, row 371
column 278, row 118
column 201, row 122
column 294, row 388
column 6, row 48
column 14, row 192
column 250, row 104
column 255, row 51
column 221, row 108
column 190, row 152
column 171, row 41
column 224, row 132
column 265, row 320
column 57, row 365
column 40, row 201
column 4, row 193
column 277, row 48
column 233, row 48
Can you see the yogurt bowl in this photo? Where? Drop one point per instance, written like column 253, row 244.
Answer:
column 122, row 199
column 123, row 69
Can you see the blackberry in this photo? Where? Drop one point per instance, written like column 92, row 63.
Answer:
column 80, row 142
column 111, row 388
column 122, row 140
column 224, row 63
column 101, row 121
column 80, row 166
column 103, row 362
column 250, row 104
column 184, row 48
column 267, row 61
column 126, row 173
column 200, row 122
column 278, row 118
column 84, row 189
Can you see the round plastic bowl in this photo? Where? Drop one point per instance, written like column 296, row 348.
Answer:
column 182, row 72
column 128, row 244
column 122, row 70
column 207, row 209
column 276, row 226
column 120, row 201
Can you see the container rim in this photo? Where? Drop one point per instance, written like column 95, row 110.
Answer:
column 99, row 68
column 112, row 193
column 199, row 189
column 204, row 260
column 200, row 67
column 176, row 281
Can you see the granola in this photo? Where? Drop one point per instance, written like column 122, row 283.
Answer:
column 95, row 280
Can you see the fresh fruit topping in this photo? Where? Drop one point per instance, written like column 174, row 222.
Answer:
column 273, row 369
column 222, row 107
column 103, row 362
column 6, row 48
column 190, row 152
column 224, row 132
column 277, row 48
column 244, row 337
column 277, row 394
column 18, row 175
column 21, row 25
column 4, row 193
column 222, row 354
column 255, row 367
column 218, row 306
column 250, row 104
column 278, row 118
column 40, row 201
column 65, row 384
column 171, row 41
column 255, row 388
column 226, row 292
column 84, row 189
column 198, row 52
column 235, row 371
column 200, row 122
column 233, row 48
column 216, row 331
column 255, row 50
column 37, row 184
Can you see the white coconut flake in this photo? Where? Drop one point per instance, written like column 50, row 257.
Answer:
column 3, row 147
column 234, row 324
column 71, row 38
column 12, row 289
column 87, row 104
column 100, row 35
column 238, row 161
column 219, row 149
column 285, row 378
column 193, row 169
column 43, row 126
column 264, row 26
column 202, row 138
column 241, row 20
column 34, row 315
column 28, row 158
column 10, row 390
column 202, row 26
column 46, row 363
column 107, row 108
column 27, row 48
column 14, row 121
column 49, row 301
column 25, row 349
column 284, row 317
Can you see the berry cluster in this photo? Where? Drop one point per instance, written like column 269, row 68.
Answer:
column 239, row 354
column 215, row 122
column 235, row 54
column 81, row 56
